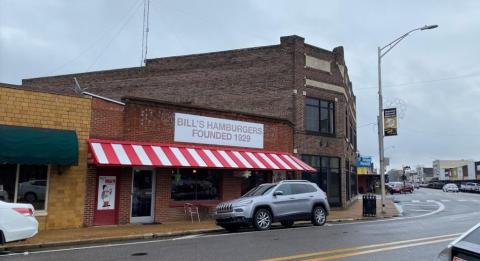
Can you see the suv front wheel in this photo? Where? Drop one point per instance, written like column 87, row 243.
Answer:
column 319, row 216
column 262, row 220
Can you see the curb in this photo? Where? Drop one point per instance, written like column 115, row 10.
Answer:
column 167, row 235
column 28, row 247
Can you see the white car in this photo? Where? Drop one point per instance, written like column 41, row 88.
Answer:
column 450, row 187
column 17, row 222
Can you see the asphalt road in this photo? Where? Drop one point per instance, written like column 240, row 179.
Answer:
column 431, row 220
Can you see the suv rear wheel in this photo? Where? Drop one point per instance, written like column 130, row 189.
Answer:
column 319, row 216
column 262, row 220
column 287, row 223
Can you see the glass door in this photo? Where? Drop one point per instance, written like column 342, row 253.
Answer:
column 143, row 195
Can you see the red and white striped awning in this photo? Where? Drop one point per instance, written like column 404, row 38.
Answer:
column 118, row 153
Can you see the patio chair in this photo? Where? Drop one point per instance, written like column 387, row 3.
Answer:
column 191, row 210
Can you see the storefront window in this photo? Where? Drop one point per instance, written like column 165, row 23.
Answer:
column 327, row 177
column 27, row 182
column 189, row 184
column 255, row 179
column 8, row 175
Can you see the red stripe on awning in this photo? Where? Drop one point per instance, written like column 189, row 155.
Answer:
column 191, row 156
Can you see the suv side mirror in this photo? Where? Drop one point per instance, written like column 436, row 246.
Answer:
column 277, row 193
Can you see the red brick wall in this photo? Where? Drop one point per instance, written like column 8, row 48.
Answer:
column 125, row 200
column 151, row 122
column 107, row 120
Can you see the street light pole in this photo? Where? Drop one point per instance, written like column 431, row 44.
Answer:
column 381, row 134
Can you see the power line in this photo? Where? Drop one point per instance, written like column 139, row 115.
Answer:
column 91, row 45
column 115, row 35
column 421, row 82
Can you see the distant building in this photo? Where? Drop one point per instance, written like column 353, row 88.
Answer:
column 395, row 175
column 425, row 174
column 477, row 170
column 454, row 169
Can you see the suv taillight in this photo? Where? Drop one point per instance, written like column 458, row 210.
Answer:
column 24, row 211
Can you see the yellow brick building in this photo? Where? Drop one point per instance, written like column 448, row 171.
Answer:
column 61, row 203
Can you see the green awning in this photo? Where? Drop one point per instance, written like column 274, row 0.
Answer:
column 24, row 145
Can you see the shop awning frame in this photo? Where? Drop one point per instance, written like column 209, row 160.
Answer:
column 27, row 145
column 124, row 153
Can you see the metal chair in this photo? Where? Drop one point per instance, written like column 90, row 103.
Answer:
column 192, row 210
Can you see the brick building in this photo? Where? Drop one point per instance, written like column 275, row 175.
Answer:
column 295, row 81
column 43, row 155
column 152, row 173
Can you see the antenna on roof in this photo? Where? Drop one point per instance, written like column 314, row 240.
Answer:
column 145, row 29
column 77, row 88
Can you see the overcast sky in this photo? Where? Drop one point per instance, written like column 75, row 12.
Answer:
column 433, row 76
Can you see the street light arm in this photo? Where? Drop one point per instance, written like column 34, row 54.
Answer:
column 399, row 39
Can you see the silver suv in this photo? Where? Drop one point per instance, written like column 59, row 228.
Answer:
column 285, row 202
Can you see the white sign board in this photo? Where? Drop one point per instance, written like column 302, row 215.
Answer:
column 106, row 192
column 207, row 130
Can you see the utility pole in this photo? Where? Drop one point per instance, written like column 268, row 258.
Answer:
column 381, row 133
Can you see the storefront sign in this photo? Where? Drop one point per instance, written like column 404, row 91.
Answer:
column 364, row 161
column 207, row 130
column 390, row 121
column 362, row 170
column 106, row 192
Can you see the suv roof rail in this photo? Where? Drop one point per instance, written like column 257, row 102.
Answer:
column 294, row 180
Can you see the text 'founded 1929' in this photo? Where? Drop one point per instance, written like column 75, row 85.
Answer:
column 207, row 130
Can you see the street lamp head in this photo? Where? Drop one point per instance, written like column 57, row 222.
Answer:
column 427, row 27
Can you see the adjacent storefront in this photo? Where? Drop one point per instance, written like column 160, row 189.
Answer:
column 165, row 155
column 43, row 154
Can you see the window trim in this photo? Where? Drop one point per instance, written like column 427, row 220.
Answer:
column 38, row 213
column 319, row 107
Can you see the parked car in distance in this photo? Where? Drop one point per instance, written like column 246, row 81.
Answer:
column 466, row 247
column 400, row 187
column 471, row 187
column 285, row 202
column 17, row 222
column 450, row 187
column 408, row 187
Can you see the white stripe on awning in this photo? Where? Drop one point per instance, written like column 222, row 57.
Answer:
column 287, row 157
column 180, row 157
column 264, row 157
column 213, row 159
column 277, row 158
column 259, row 163
column 98, row 150
column 142, row 155
column 161, row 156
column 242, row 159
column 197, row 157
column 121, row 154
column 228, row 159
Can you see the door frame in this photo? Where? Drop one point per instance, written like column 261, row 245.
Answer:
column 145, row 219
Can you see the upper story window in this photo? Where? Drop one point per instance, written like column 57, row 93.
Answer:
column 320, row 116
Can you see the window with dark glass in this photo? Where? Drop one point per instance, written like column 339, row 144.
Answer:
column 202, row 184
column 24, row 184
column 327, row 176
column 320, row 116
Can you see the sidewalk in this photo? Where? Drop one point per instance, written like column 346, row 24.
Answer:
column 91, row 235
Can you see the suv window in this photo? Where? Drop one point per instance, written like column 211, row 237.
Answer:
column 285, row 188
column 302, row 188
